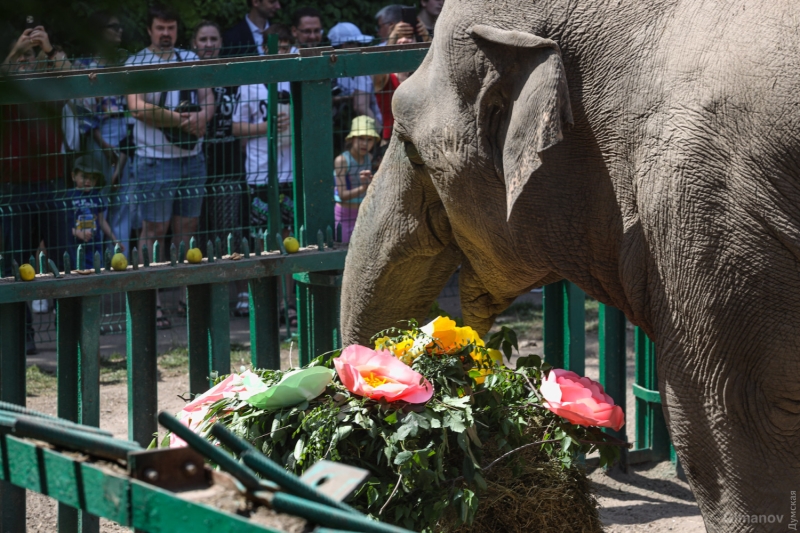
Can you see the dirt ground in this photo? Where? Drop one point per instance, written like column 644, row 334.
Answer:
column 649, row 498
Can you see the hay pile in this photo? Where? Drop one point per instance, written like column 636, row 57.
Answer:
column 531, row 492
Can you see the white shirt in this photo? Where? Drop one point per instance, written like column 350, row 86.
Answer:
column 252, row 109
column 258, row 36
column 150, row 141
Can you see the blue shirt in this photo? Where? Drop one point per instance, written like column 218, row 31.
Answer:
column 83, row 208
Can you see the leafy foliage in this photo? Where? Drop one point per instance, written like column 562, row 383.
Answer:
column 423, row 459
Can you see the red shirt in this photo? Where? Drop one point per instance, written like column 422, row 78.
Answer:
column 30, row 143
column 384, row 97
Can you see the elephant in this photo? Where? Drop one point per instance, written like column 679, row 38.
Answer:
column 649, row 152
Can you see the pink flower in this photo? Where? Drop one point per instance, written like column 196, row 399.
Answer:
column 580, row 400
column 381, row 375
column 195, row 411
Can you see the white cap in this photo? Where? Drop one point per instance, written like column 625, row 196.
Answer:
column 347, row 32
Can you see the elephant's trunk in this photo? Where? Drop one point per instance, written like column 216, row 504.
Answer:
column 402, row 251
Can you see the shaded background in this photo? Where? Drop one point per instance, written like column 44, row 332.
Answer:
column 67, row 23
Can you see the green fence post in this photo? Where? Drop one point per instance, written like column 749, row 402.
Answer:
column 613, row 364
column 564, row 326
column 78, row 352
column 142, row 348
column 209, row 330
column 273, row 197
column 318, row 293
column 265, row 343
column 312, row 146
column 553, row 323
column 651, row 429
column 12, row 389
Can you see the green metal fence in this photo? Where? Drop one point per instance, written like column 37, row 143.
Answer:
column 564, row 347
column 264, row 263
column 316, row 270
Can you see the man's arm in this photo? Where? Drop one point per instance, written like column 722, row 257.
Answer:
column 361, row 101
column 152, row 114
column 196, row 123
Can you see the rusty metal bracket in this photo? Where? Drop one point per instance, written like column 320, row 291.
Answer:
column 174, row 469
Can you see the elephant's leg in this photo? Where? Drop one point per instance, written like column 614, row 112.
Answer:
column 734, row 417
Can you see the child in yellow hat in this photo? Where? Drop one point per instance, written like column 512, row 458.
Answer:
column 352, row 171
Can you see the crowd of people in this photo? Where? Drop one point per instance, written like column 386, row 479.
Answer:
column 124, row 171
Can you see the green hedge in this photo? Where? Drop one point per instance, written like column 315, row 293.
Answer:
column 67, row 22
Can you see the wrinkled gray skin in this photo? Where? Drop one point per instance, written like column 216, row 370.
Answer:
column 675, row 196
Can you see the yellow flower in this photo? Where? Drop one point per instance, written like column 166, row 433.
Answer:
column 403, row 350
column 496, row 359
column 449, row 337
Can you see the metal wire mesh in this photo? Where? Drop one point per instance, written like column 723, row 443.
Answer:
column 83, row 178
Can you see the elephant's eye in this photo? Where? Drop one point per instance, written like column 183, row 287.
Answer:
column 413, row 154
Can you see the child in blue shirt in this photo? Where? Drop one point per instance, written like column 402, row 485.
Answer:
column 86, row 210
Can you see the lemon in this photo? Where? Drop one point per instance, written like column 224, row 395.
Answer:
column 291, row 244
column 194, row 255
column 26, row 272
column 118, row 262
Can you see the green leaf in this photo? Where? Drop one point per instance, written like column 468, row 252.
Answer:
column 511, row 336
column 479, row 481
column 392, row 418
column 299, row 447
column 457, row 402
column 455, row 421
column 403, row 457
column 372, row 495
column 294, row 388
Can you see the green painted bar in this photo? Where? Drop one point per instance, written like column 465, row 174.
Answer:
column 164, row 275
column 78, row 350
column 575, row 332
column 210, row 73
column 651, row 429
column 72, row 482
column 12, row 389
column 312, row 157
column 198, row 300
column 553, row 323
column 317, row 307
column 84, row 486
column 613, row 359
column 318, row 319
column 273, row 196
column 265, row 343
column 149, row 505
column 219, row 332
column 142, row 365
column 208, row 323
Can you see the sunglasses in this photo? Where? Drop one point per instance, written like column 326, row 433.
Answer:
column 115, row 26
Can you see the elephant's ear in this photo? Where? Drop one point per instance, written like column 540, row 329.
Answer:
column 531, row 88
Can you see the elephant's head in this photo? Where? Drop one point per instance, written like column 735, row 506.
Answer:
column 470, row 125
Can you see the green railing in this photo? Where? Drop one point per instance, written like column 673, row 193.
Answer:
column 564, row 347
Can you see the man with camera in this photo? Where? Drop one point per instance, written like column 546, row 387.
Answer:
column 170, row 171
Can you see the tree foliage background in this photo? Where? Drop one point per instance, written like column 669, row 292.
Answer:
column 68, row 22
